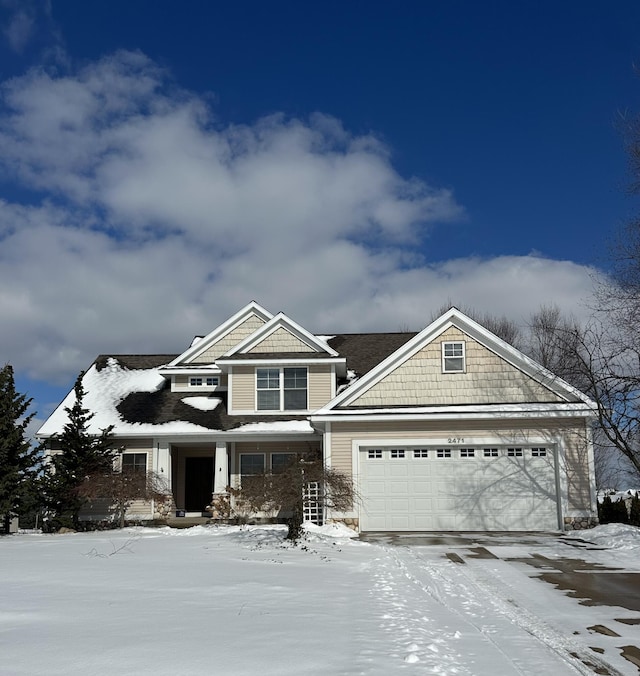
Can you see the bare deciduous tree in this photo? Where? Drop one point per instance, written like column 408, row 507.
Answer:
column 283, row 492
column 122, row 488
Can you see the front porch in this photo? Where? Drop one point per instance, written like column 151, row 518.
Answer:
column 199, row 476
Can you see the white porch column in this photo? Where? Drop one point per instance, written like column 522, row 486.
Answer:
column 163, row 461
column 221, row 478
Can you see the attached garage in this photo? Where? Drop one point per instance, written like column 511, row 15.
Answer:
column 458, row 488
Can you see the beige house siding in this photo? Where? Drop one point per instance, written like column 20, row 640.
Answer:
column 320, row 386
column 488, row 380
column 281, row 340
column 571, row 433
column 243, row 381
column 243, row 384
column 251, row 324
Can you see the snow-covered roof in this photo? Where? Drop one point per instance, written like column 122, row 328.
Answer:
column 140, row 401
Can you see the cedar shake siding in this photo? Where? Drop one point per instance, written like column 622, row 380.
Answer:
column 251, row 324
column 280, row 341
column 488, row 379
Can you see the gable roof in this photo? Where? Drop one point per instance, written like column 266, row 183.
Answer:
column 281, row 321
column 200, row 346
column 456, row 318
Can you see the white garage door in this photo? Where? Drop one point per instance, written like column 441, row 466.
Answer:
column 423, row 488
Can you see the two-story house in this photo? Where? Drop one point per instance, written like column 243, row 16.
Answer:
column 447, row 429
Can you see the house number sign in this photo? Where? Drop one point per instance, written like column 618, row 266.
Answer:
column 455, row 440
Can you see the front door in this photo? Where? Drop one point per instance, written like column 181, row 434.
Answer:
column 198, row 483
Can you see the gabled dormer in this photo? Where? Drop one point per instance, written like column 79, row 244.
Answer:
column 280, row 368
column 195, row 370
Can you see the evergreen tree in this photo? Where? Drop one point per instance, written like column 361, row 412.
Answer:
column 634, row 510
column 78, row 455
column 19, row 461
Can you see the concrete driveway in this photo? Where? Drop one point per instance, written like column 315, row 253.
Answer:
column 571, row 585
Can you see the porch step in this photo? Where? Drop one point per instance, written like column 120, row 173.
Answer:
column 187, row 521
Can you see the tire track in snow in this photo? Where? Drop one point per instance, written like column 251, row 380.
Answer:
column 477, row 602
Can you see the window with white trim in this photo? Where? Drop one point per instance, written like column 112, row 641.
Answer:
column 134, row 462
column 374, row 453
column 251, row 464
column 281, row 461
column 397, row 452
column 420, row 452
column 490, row 453
column 467, row 452
column 281, row 389
column 514, row 452
column 199, row 381
column 538, row 452
column 443, row 452
column 453, row 357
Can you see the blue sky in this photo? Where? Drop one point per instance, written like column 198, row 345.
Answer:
column 355, row 164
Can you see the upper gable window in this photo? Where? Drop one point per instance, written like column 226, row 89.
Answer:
column 197, row 381
column 453, row 357
column 281, row 389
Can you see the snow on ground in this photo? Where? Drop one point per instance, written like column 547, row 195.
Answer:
column 241, row 601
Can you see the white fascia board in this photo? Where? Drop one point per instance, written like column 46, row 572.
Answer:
column 214, row 435
column 209, row 369
column 459, row 320
column 281, row 321
column 458, row 412
column 220, row 331
column 46, row 430
column 276, row 361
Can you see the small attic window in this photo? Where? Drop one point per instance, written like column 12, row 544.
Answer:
column 198, row 381
column 453, row 357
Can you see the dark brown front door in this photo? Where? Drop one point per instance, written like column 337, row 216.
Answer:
column 198, row 483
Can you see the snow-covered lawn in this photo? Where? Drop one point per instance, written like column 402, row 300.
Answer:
column 229, row 600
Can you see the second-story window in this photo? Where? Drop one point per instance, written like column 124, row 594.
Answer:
column 453, row 357
column 281, row 389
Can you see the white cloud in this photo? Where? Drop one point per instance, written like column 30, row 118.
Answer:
column 158, row 222
column 19, row 25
